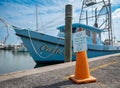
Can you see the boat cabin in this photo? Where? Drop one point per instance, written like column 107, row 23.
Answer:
column 93, row 34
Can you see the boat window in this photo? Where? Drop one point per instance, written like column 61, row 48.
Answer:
column 62, row 30
column 97, row 34
column 88, row 32
column 73, row 30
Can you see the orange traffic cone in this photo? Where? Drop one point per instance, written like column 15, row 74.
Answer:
column 82, row 73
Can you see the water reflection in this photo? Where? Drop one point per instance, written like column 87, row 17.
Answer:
column 11, row 62
column 17, row 61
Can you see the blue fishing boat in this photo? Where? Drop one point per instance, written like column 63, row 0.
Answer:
column 47, row 48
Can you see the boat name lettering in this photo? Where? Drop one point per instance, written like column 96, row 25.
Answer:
column 47, row 49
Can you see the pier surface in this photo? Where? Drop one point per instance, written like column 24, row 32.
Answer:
column 106, row 69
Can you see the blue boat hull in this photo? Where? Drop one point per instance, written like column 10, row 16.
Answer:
column 46, row 48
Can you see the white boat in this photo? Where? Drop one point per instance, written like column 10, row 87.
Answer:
column 19, row 48
column 2, row 45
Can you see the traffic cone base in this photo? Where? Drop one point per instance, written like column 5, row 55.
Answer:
column 79, row 81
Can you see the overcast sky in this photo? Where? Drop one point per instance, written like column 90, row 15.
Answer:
column 21, row 13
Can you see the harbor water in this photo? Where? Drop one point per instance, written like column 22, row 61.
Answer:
column 12, row 62
column 17, row 61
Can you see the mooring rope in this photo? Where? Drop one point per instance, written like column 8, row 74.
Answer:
column 37, row 51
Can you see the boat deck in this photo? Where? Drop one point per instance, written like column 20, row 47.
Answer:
column 106, row 69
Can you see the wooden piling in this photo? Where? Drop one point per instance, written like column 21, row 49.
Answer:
column 68, row 33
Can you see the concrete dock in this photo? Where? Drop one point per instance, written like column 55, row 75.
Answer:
column 106, row 69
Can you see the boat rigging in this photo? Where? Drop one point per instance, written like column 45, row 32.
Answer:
column 7, row 26
column 102, row 16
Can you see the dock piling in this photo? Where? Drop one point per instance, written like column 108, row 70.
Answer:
column 68, row 33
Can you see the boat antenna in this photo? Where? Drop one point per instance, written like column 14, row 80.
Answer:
column 83, row 2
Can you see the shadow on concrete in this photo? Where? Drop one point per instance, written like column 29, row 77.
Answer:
column 42, row 64
column 57, row 85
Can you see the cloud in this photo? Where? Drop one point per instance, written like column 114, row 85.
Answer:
column 19, row 13
column 116, row 23
column 116, row 13
column 115, row 2
column 51, row 13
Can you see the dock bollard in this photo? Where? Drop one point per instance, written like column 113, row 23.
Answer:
column 82, row 73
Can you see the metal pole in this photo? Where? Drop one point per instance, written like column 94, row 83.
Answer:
column 36, row 17
column 68, row 33
column 110, row 24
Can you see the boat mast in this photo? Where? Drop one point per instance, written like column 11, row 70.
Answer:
column 110, row 34
column 110, row 24
column 96, row 24
column 36, row 17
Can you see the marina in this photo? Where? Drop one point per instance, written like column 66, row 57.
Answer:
column 75, row 46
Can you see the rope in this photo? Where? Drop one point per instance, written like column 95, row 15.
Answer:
column 37, row 51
